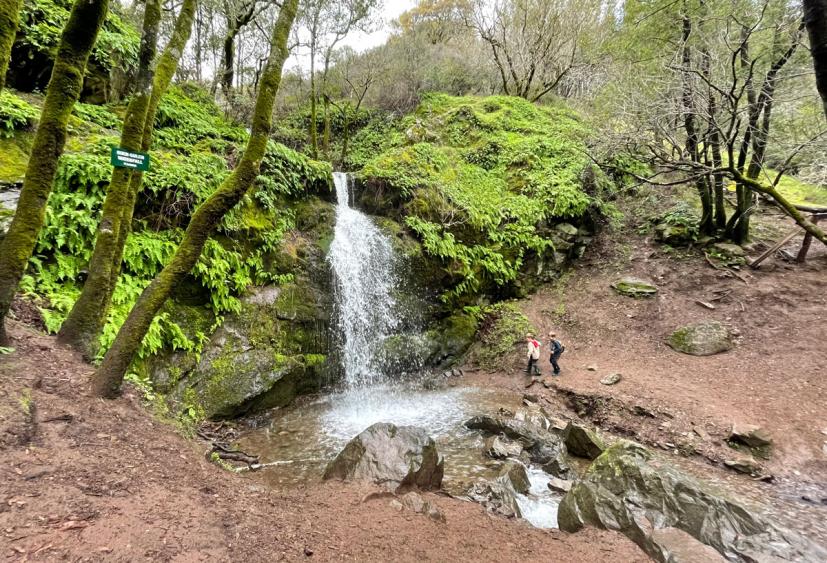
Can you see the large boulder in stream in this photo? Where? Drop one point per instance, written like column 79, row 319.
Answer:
column 582, row 442
column 395, row 457
column 671, row 515
column 498, row 496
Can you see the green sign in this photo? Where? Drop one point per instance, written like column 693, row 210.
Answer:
column 122, row 158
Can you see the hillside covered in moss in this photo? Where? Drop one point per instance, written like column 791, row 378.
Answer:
column 497, row 189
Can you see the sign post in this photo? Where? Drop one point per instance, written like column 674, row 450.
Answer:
column 122, row 158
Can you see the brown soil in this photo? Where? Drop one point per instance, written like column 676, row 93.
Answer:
column 775, row 377
column 86, row 480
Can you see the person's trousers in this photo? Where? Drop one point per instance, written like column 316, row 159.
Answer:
column 532, row 366
column 555, row 366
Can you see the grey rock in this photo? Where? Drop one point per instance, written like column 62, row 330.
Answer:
column 625, row 490
column 676, row 546
column 498, row 447
column 560, row 485
column 611, row 379
column 744, row 464
column 634, row 287
column 498, row 496
column 516, row 473
column 728, row 250
column 543, row 447
column 395, row 457
column 702, row 339
column 750, row 435
column 674, row 235
column 582, row 442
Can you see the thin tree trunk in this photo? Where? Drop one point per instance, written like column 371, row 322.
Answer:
column 85, row 321
column 314, row 137
column 9, row 10
column 691, row 130
column 107, row 379
column 815, row 18
column 326, row 131
column 64, row 88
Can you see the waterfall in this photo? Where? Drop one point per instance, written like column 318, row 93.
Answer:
column 362, row 260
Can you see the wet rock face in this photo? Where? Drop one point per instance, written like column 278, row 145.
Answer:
column 702, row 339
column 395, row 457
column 498, row 447
column 517, row 475
column 625, row 490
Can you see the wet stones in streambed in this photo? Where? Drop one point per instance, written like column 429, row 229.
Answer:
column 394, row 457
column 533, row 431
column 517, row 475
column 497, row 447
column 627, row 490
column 497, row 496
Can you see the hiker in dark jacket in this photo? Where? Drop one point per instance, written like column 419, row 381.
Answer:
column 557, row 349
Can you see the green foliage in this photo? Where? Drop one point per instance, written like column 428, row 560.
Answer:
column 184, row 121
column 240, row 255
column 501, row 327
column 42, row 22
column 99, row 115
column 482, row 179
column 15, row 113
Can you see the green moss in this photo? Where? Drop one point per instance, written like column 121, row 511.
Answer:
column 479, row 179
column 501, row 328
column 14, row 158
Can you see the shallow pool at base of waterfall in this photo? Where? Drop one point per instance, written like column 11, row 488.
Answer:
column 305, row 437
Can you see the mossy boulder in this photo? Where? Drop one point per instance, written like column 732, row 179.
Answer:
column 674, row 235
column 582, row 442
column 634, row 287
column 702, row 339
column 272, row 350
column 628, row 490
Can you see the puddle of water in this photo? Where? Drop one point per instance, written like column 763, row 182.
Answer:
column 305, row 437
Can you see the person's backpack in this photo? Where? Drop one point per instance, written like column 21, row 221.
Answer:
column 557, row 347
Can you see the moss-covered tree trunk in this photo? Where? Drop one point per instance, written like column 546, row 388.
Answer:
column 86, row 319
column 815, row 18
column 107, row 379
column 64, row 89
column 9, row 10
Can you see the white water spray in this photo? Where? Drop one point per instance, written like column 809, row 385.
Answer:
column 363, row 267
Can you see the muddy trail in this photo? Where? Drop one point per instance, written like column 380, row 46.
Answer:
column 91, row 480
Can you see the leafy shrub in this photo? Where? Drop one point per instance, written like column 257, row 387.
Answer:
column 42, row 22
column 183, row 121
column 99, row 115
column 482, row 180
column 15, row 113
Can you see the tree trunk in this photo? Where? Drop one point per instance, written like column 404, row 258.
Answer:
column 815, row 18
column 86, row 319
column 107, row 379
column 63, row 91
column 228, row 63
column 701, row 184
column 314, row 137
column 9, row 10
column 326, row 132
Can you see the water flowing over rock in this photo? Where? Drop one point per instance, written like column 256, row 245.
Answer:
column 396, row 457
column 362, row 260
column 702, row 339
column 626, row 490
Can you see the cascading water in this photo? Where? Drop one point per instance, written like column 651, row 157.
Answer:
column 368, row 324
column 363, row 268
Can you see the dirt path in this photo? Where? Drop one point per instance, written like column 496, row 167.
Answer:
column 90, row 480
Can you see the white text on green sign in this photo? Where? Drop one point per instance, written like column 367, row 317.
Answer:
column 122, row 158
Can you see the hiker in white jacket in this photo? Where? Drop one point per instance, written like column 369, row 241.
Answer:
column 533, row 353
